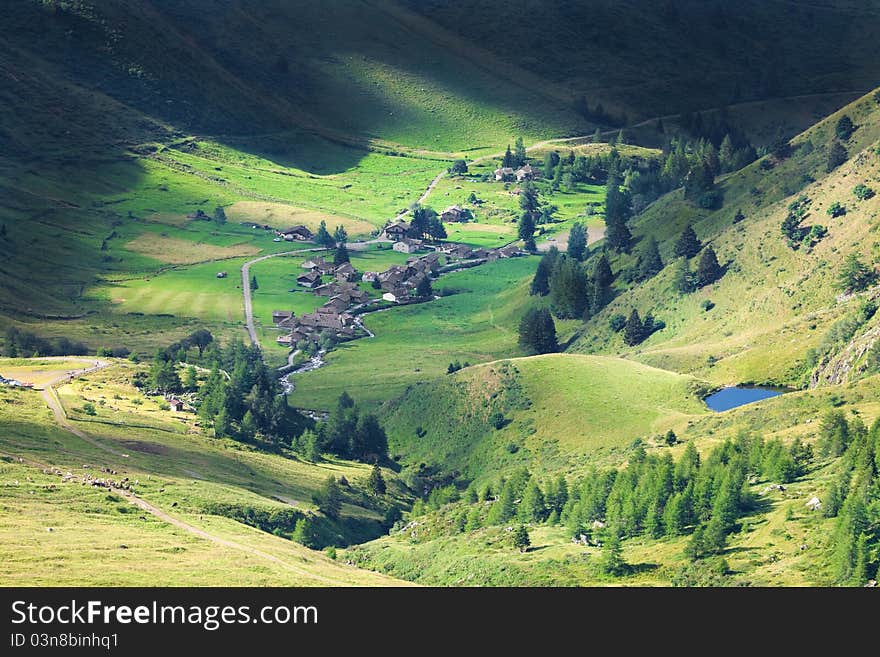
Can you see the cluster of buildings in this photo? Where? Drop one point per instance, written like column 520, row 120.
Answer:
column 336, row 317
column 525, row 172
column 333, row 317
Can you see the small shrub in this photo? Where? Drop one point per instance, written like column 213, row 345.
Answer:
column 89, row 409
column 863, row 192
column 836, row 209
column 497, row 420
column 617, row 323
column 707, row 305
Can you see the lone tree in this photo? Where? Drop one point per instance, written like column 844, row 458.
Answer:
column 507, row 160
column 458, row 167
column 650, row 262
column 340, row 235
column 854, row 275
column 577, row 242
column 708, row 269
column 341, row 255
column 837, row 155
column 526, row 231
column 537, row 332
column 519, row 152
column 199, row 338
column 254, row 285
column 844, row 127
column 329, row 498
column 219, row 215
column 376, row 482
column 521, row 539
column 634, row 330
column 323, row 236
column 687, row 245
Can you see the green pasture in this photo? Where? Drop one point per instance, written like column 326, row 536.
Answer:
column 478, row 322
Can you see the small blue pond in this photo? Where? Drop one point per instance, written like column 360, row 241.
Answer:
column 728, row 398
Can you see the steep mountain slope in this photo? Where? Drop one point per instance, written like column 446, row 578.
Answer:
column 647, row 59
column 773, row 303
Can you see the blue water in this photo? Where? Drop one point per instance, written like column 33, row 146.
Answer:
column 728, row 398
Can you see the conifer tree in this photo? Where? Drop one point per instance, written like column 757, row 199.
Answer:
column 577, row 242
column 708, row 269
column 376, row 482
column 568, row 289
column 611, row 561
column 329, row 498
column 602, row 273
column 650, row 262
column 533, row 507
column 519, row 152
column 504, row 508
column 507, row 161
column 341, row 256
column 541, row 281
column 633, row 331
column 526, row 231
column 521, row 540
column 323, row 237
column 687, row 245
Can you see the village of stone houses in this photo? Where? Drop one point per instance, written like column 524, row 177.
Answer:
column 351, row 293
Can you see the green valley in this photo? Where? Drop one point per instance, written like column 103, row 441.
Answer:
column 385, row 292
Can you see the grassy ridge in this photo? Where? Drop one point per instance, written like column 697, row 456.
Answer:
column 559, row 411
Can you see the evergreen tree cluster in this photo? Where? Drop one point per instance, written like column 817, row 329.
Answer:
column 241, row 396
column 348, row 432
column 653, row 496
column 853, row 497
column 573, row 292
column 425, row 223
column 636, row 330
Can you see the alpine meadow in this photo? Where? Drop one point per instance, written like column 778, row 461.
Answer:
column 420, row 292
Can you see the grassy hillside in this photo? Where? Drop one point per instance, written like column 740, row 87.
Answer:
column 225, row 490
column 774, row 303
column 780, row 543
column 558, row 412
